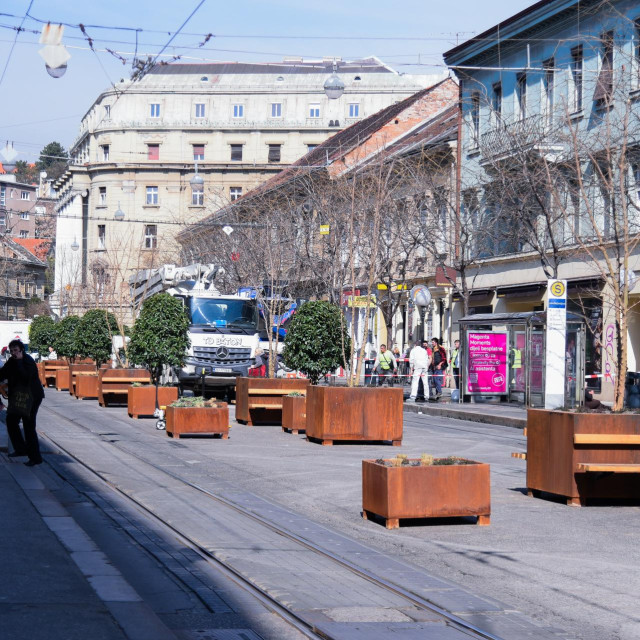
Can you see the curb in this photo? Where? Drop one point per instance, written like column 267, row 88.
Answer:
column 470, row 416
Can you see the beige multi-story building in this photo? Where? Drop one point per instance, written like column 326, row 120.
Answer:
column 165, row 151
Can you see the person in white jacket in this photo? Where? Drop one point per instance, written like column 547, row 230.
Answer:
column 419, row 362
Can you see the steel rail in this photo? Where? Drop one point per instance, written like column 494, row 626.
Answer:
column 416, row 600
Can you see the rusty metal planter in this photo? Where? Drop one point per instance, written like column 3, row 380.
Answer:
column 86, row 386
column 583, row 456
column 354, row 414
column 259, row 400
column 294, row 417
column 142, row 400
column 62, row 379
column 198, row 420
column 76, row 370
column 434, row 491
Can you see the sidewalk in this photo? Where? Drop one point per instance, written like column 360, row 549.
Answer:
column 55, row 583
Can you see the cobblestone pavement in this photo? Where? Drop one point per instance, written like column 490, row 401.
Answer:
column 569, row 568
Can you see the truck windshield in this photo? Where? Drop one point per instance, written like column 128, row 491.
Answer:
column 219, row 312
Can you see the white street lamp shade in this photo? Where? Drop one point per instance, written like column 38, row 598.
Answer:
column 333, row 87
column 56, row 72
column 197, row 182
column 74, row 245
column 9, row 153
column 228, row 229
column 420, row 295
column 119, row 214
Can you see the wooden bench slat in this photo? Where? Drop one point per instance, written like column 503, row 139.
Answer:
column 265, row 406
column 608, row 467
column 126, row 380
column 606, row 438
column 271, row 392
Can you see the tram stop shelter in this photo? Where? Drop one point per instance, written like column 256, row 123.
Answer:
column 503, row 358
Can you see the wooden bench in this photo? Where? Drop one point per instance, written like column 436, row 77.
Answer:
column 118, row 381
column 260, row 399
column 48, row 369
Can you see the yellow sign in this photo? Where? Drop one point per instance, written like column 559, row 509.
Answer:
column 361, row 301
column 324, row 229
column 557, row 289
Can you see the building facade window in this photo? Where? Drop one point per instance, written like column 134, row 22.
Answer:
column 234, row 193
column 314, row 110
column 238, row 111
column 104, row 152
column 521, row 95
column 24, row 233
column 107, row 111
column 496, row 103
column 198, row 152
column 276, row 110
column 153, row 152
column 154, row 110
column 354, row 110
column 25, row 195
column 577, row 64
column 102, row 196
column 636, row 52
column 152, row 195
column 24, row 215
column 548, row 88
column 150, row 236
column 3, row 219
column 475, row 119
column 274, row 152
column 197, row 197
column 311, row 147
column 236, row 152
column 3, row 196
column 200, row 110
column 102, row 236
column 604, row 84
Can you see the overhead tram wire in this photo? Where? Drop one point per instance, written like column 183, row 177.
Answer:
column 18, row 30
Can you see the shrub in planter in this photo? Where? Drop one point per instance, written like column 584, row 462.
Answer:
column 425, row 488
column 65, row 343
column 94, row 335
column 197, row 416
column 317, row 340
column 160, row 337
column 42, row 335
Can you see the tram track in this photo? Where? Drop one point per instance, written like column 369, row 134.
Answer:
column 298, row 621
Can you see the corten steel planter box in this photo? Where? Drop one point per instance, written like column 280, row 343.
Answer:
column 114, row 384
column 434, row 491
column 354, row 414
column 49, row 369
column 62, row 379
column 86, row 386
column 259, row 400
column 583, row 456
column 294, row 417
column 198, row 420
column 79, row 369
column 142, row 400
column 43, row 380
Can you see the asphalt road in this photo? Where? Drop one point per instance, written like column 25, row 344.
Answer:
column 572, row 568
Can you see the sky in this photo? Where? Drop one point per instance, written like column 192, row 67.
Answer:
column 35, row 109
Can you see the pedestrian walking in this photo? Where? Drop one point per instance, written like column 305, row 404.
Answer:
column 438, row 366
column 25, row 395
column 385, row 366
column 455, row 363
column 419, row 364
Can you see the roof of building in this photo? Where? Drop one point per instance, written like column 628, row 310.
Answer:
column 20, row 252
column 39, row 247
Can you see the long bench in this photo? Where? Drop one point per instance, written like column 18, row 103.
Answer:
column 583, row 456
column 47, row 370
column 260, row 399
column 116, row 382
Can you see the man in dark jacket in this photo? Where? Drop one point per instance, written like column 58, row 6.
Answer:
column 25, row 391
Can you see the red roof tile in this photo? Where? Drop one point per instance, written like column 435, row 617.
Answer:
column 37, row 246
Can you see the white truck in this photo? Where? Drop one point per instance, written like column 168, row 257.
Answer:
column 12, row 329
column 224, row 329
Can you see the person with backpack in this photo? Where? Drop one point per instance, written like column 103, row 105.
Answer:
column 438, row 366
column 385, row 366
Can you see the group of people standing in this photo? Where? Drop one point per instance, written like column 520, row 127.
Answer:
column 428, row 364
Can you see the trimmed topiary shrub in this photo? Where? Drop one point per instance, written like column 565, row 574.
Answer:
column 94, row 335
column 65, row 342
column 160, row 335
column 315, row 338
column 42, row 335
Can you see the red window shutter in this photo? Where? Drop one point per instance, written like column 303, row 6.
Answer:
column 154, row 152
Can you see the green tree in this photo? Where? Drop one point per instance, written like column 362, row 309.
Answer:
column 94, row 336
column 65, row 343
column 53, row 160
column 26, row 173
column 316, row 340
column 42, row 334
column 160, row 335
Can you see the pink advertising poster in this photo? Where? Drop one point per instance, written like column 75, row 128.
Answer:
column 487, row 362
